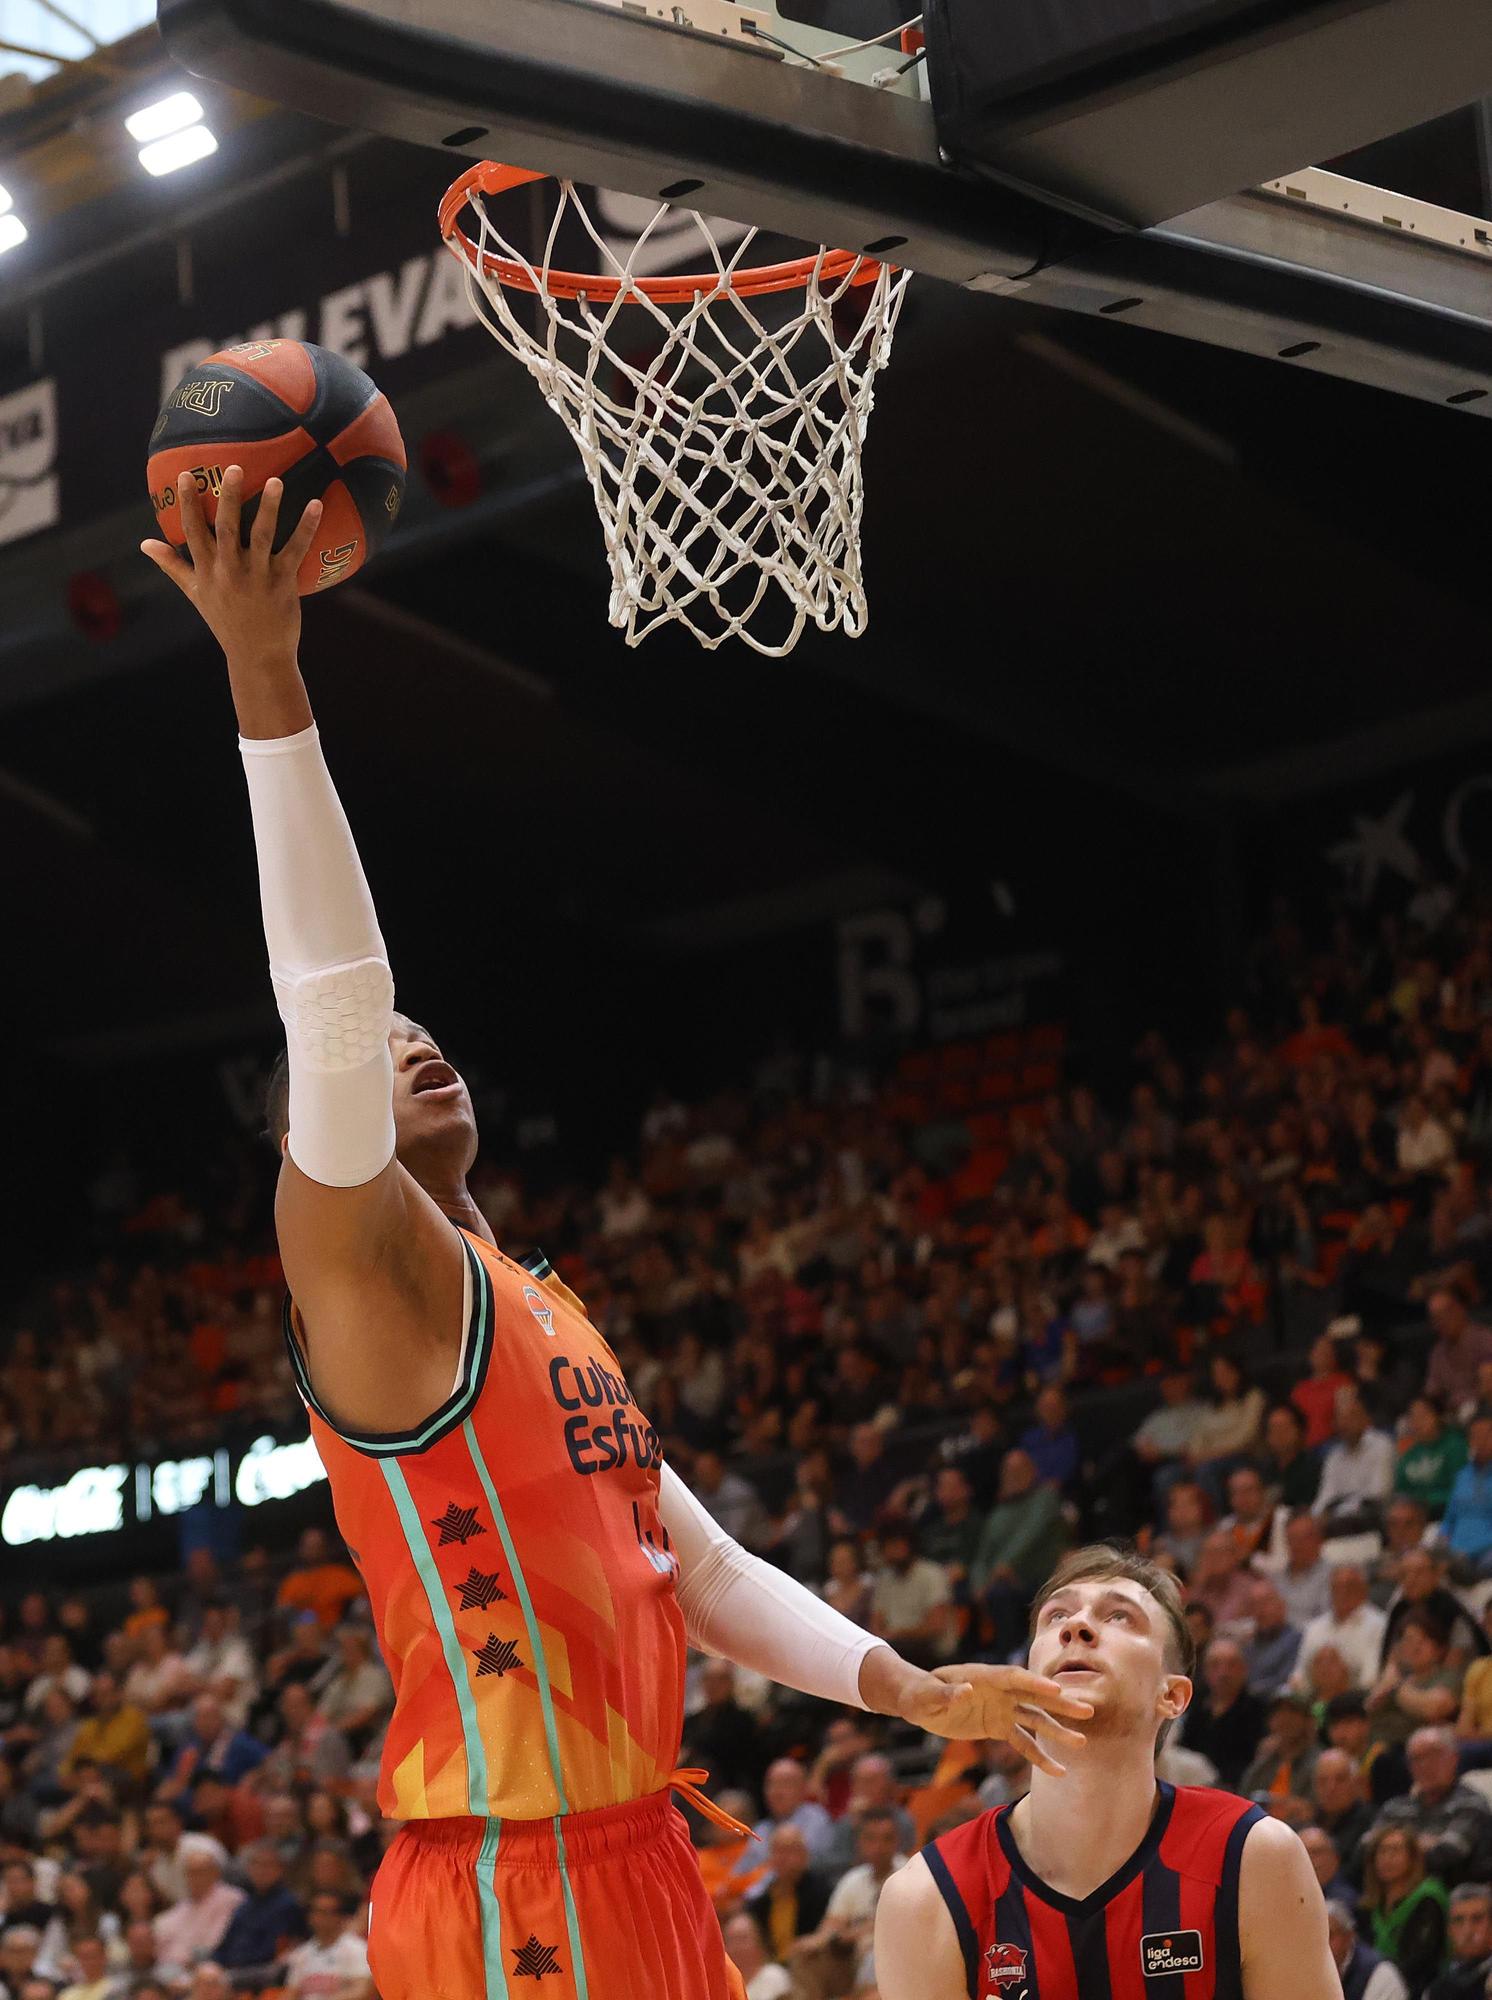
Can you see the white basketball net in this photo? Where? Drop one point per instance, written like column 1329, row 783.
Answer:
column 721, row 437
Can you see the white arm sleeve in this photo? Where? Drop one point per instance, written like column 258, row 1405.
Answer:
column 327, row 960
column 742, row 1609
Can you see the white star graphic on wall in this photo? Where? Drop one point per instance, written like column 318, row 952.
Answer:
column 1377, row 844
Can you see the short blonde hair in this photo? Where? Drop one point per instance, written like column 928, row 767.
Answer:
column 1100, row 1562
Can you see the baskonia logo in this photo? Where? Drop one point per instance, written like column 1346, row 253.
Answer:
column 1006, row 1970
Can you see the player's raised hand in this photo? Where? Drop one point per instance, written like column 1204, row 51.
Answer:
column 248, row 597
column 979, row 1703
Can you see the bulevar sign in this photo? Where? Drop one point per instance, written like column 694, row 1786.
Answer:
column 106, row 1499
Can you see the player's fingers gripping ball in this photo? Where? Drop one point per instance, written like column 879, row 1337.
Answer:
column 284, row 409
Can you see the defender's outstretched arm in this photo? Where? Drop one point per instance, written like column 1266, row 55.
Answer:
column 741, row 1608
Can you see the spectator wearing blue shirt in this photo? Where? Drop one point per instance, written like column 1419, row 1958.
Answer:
column 1467, row 1526
column 213, row 1744
column 785, row 1794
column 1051, row 1443
column 266, row 1924
column 1049, row 1347
column 1272, row 1651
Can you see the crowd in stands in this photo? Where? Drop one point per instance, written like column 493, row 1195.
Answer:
column 908, row 1337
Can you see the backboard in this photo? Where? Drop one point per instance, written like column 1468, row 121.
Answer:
column 1190, row 224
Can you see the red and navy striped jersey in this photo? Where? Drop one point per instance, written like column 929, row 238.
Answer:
column 1164, row 1927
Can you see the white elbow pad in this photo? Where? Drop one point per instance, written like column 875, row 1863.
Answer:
column 338, row 1019
column 341, row 1073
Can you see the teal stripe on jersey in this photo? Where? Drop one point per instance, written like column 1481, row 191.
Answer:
column 445, row 1625
column 572, row 1915
column 546, row 1698
column 492, row 1916
column 530, row 1618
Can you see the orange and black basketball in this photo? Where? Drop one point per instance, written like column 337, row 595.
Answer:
column 284, row 409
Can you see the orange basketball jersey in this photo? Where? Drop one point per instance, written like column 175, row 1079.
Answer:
column 521, row 1581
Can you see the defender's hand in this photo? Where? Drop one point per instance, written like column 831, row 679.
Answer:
column 247, row 596
column 978, row 1703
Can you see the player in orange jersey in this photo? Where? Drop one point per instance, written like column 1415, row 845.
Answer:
column 534, row 1568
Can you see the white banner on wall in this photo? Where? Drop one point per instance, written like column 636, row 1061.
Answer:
column 28, row 461
column 105, row 1499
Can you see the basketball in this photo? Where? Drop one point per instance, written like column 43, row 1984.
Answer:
column 284, row 409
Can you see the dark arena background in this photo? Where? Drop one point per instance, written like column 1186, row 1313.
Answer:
column 1019, row 1078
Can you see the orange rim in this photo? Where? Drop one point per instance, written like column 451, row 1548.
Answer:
column 490, row 178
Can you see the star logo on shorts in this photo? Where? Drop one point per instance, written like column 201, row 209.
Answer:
column 533, row 1960
column 498, row 1656
column 458, row 1524
column 479, row 1591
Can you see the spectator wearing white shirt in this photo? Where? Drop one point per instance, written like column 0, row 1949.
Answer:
column 333, row 1963
column 849, row 1921
column 1358, row 1473
column 221, row 1663
column 624, row 1206
column 58, row 1670
column 1256, row 1524
column 1424, row 1146
column 1120, row 1233
column 18, row 1949
column 33, row 1909
column 159, row 1681
column 1353, row 1627
column 1165, row 1437
column 765, row 1979
column 911, row 1605
column 191, row 1930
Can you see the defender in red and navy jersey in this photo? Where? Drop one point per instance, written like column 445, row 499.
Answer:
column 1165, row 1927
column 1103, row 1882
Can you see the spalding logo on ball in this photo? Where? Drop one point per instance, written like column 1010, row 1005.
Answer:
column 284, row 409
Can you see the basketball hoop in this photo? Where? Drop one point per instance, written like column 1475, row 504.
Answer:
column 723, row 452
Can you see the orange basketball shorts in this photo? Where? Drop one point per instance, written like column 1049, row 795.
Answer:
column 604, row 1905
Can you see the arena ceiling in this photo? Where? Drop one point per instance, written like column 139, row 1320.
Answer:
column 1102, row 566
